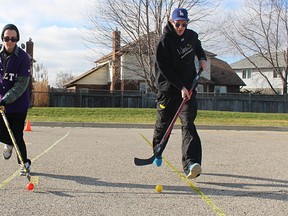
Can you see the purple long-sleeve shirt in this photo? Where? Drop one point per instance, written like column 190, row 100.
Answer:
column 14, row 79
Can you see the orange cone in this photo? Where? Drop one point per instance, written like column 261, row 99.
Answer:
column 28, row 126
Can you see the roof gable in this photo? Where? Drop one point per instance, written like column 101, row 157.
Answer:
column 82, row 76
column 223, row 74
column 260, row 61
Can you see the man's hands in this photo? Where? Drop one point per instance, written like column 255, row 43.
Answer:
column 185, row 93
column 2, row 105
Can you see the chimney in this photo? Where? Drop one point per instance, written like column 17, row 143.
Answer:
column 29, row 51
column 29, row 47
column 115, row 82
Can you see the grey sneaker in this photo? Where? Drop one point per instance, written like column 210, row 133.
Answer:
column 28, row 168
column 194, row 171
column 7, row 151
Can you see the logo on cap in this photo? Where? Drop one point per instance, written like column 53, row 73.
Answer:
column 180, row 14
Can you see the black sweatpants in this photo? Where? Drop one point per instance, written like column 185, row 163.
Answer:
column 17, row 123
column 167, row 105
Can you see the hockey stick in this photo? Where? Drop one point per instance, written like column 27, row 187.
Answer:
column 32, row 179
column 161, row 146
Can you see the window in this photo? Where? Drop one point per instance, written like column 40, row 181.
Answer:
column 220, row 89
column 246, row 73
column 276, row 73
column 143, row 87
column 250, row 73
column 200, row 88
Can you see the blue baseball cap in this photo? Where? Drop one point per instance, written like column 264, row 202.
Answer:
column 180, row 14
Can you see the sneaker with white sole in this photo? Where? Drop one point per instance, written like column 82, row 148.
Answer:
column 28, row 168
column 194, row 170
column 7, row 151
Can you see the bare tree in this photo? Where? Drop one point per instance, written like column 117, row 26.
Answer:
column 40, row 73
column 40, row 85
column 62, row 78
column 261, row 29
column 140, row 23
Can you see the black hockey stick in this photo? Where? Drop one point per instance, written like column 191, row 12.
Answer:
column 32, row 179
column 161, row 146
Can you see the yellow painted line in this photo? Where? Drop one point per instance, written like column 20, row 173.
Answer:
column 10, row 178
column 52, row 146
column 205, row 198
column 5, row 182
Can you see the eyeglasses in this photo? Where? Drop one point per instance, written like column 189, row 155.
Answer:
column 184, row 25
column 12, row 39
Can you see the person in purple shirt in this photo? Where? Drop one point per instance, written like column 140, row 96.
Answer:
column 14, row 92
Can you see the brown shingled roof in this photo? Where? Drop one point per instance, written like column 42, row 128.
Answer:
column 223, row 74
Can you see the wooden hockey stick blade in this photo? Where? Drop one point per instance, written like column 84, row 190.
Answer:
column 33, row 179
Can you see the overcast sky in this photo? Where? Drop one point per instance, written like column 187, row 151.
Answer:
column 56, row 28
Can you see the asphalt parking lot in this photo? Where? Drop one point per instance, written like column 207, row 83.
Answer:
column 90, row 171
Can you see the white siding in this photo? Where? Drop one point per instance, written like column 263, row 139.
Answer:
column 257, row 81
column 100, row 77
column 131, row 69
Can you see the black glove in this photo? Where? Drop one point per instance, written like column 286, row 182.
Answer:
column 2, row 103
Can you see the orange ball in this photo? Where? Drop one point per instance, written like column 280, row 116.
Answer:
column 30, row 186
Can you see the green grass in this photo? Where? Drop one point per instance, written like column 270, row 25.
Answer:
column 148, row 116
column 100, row 115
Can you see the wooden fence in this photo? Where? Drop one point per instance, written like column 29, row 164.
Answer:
column 136, row 99
column 243, row 103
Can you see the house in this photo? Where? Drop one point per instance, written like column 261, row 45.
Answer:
column 257, row 70
column 120, row 70
column 116, row 71
column 224, row 78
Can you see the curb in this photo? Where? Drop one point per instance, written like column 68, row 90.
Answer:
column 150, row 126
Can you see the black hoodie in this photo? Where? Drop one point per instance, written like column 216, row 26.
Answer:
column 175, row 59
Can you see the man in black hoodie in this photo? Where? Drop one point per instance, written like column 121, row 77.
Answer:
column 175, row 71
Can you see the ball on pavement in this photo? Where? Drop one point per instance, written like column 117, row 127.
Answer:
column 30, row 186
column 159, row 188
